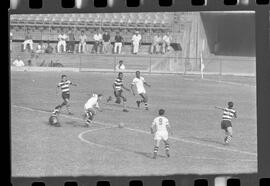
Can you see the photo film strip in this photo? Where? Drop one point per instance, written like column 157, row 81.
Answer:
column 200, row 52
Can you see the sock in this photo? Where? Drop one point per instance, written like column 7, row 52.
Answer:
column 155, row 149
column 167, row 147
column 228, row 139
column 145, row 105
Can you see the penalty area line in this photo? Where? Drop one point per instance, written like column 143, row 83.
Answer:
column 145, row 132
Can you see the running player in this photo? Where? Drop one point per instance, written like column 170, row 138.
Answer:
column 160, row 128
column 90, row 108
column 53, row 120
column 226, row 124
column 118, row 87
column 140, row 82
column 64, row 85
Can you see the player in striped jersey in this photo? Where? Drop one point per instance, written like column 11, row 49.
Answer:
column 226, row 123
column 118, row 87
column 64, row 85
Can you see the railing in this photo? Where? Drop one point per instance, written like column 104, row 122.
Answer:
column 168, row 63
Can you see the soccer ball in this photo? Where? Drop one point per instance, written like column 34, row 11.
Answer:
column 121, row 125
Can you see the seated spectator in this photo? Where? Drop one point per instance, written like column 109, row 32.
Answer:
column 40, row 48
column 97, row 42
column 18, row 62
column 71, row 42
column 167, row 39
column 157, row 40
column 49, row 48
column 136, row 41
column 28, row 41
column 62, row 37
column 82, row 42
column 120, row 67
column 106, row 41
column 118, row 43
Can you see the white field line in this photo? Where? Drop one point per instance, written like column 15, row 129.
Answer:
column 145, row 132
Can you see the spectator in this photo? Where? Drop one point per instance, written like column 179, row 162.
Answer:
column 82, row 42
column 97, row 42
column 18, row 62
column 49, row 49
column 118, row 43
column 71, row 42
column 10, row 40
column 157, row 40
column 40, row 48
column 106, row 41
column 62, row 37
column 136, row 40
column 28, row 41
column 167, row 38
column 120, row 67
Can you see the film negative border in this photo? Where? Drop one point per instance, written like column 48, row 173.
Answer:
column 262, row 54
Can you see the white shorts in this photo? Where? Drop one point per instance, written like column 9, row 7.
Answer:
column 161, row 136
column 141, row 92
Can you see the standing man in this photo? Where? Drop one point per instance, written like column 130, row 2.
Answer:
column 106, row 41
column 10, row 40
column 226, row 122
column 90, row 108
column 62, row 37
column 82, row 42
column 157, row 40
column 64, row 85
column 118, row 87
column 160, row 128
column 136, row 41
column 139, row 82
column 118, row 43
column 28, row 41
column 98, row 42
column 167, row 39
column 71, row 41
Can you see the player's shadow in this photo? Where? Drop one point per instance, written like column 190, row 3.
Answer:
column 148, row 154
column 209, row 140
column 74, row 124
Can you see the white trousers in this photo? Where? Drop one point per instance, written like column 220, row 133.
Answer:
column 28, row 42
column 59, row 44
column 135, row 47
column 119, row 46
column 82, row 47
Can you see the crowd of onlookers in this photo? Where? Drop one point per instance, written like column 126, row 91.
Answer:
column 69, row 43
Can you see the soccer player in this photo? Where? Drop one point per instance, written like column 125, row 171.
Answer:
column 140, row 82
column 226, row 124
column 118, row 87
column 64, row 85
column 53, row 120
column 160, row 128
column 90, row 108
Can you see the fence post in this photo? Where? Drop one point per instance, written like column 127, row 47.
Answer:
column 80, row 64
column 114, row 63
column 220, row 67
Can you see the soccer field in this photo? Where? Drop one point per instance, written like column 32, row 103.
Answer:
column 104, row 149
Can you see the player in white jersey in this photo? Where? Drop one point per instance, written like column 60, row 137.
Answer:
column 139, row 82
column 160, row 128
column 228, row 114
column 90, row 108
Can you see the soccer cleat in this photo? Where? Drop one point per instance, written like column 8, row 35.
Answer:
column 109, row 99
column 146, row 108
column 125, row 110
column 138, row 103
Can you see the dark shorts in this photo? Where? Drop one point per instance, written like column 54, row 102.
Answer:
column 66, row 96
column 53, row 120
column 118, row 93
column 225, row 124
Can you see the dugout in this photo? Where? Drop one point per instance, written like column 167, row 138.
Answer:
column 229, row 33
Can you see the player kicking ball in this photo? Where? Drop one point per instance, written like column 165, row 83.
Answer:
column 118, row 87
column 90, row 108
column 64, row 85
column 139, row 82
column 53, row 120
column 160, row 128
column 226, row 123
